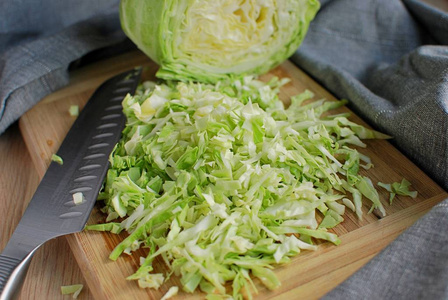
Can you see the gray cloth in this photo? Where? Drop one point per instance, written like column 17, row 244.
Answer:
column 39, row 39
column 388, row 57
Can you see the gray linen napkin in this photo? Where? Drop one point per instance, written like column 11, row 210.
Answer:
column 390, row 59
column 39, row 39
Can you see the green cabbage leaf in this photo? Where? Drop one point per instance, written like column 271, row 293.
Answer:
column 398, row 188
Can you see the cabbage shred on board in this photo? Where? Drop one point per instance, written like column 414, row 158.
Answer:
column 218, row 178
column 223, row 182
column 211, row 40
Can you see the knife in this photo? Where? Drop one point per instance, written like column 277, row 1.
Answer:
column 52, row 211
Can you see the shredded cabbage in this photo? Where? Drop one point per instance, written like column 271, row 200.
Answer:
column 57, row 159
column 78, row 198
column 73, row 110
column 398, row 188
column 223, row 182
column 74, row 289
column 171, row 293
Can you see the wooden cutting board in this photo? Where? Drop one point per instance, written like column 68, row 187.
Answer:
column 309, row 275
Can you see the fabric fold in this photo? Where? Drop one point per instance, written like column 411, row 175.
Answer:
column 38, row 65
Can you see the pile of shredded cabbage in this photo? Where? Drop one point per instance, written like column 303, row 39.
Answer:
column 224, row 183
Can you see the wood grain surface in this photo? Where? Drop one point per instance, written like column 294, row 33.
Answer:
column 44, row 127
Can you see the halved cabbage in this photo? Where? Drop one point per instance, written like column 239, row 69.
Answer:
column 209, row 40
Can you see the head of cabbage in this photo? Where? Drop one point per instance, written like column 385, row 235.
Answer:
column 211, row 40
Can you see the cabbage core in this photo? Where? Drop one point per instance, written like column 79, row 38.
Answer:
column 222, row 32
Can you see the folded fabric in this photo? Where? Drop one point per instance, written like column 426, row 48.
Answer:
column 40, row 39
column 390, row 59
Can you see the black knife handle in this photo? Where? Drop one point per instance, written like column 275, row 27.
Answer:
column 12, row 275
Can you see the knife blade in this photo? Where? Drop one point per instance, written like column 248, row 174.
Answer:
column 52, row 211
